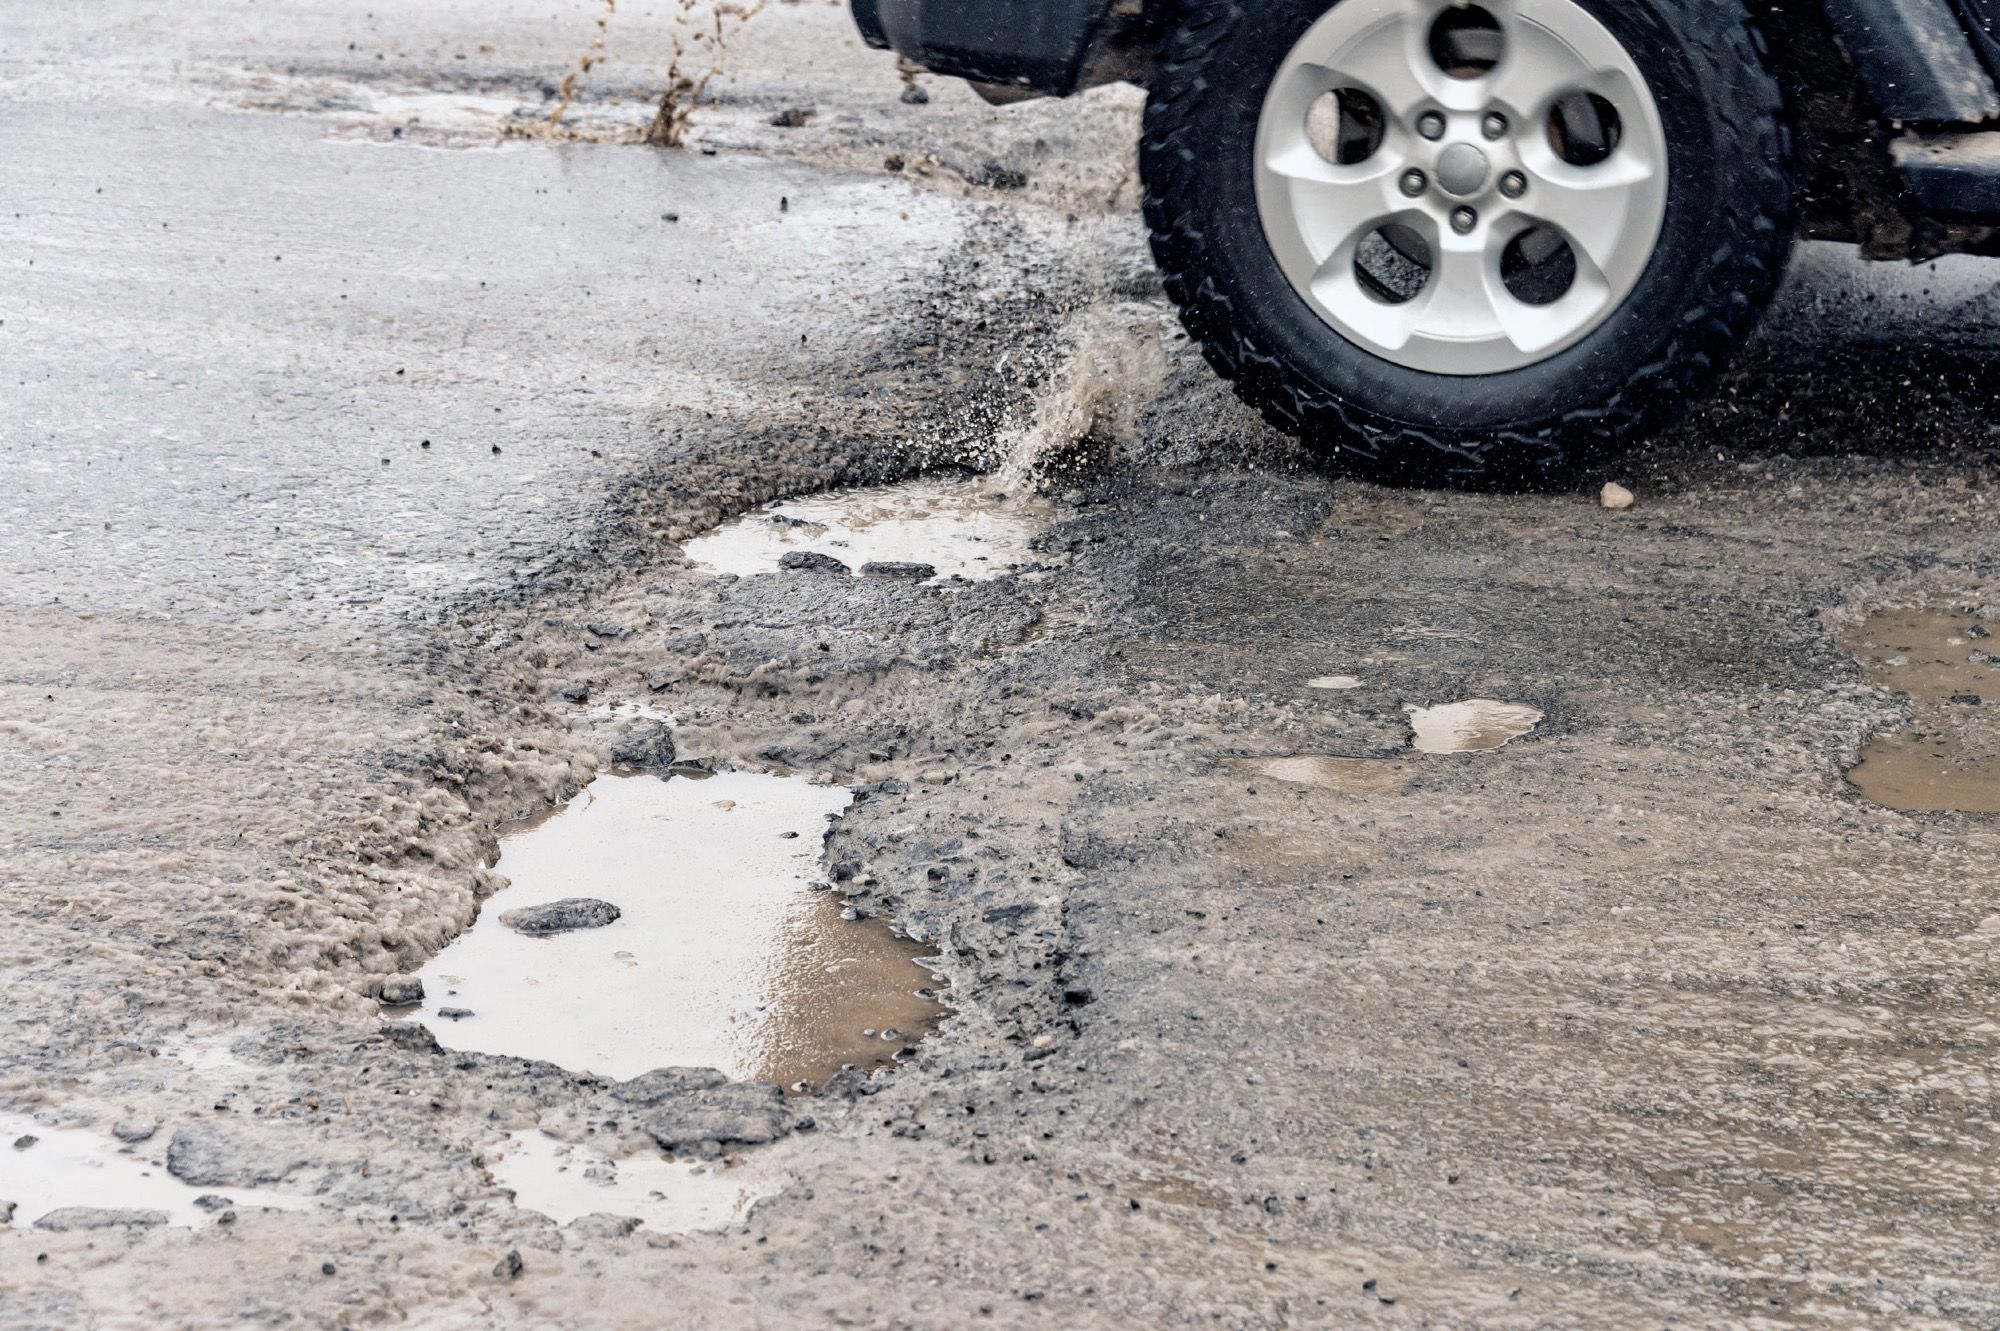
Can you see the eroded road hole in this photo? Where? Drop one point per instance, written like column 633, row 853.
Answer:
column 1947, row 663
column 928, row 529
column 1470, row 726
column 569, row 1183
column 65, row 1179
column 721, row 956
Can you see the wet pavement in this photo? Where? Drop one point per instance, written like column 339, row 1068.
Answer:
column 1260, row 1014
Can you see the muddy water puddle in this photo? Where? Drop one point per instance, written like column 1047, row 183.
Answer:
column 717, row 952
column 54, row 1177
column 1947, row 662
column 952, row 528
column 567, row 1182
column 1472, row 726
column 1355, row 776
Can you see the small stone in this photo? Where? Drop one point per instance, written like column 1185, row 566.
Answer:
column 661, row 678
column 935, row 777
column 648, row 747
column 811, row 561
column 1966, row 699
column 454, row 1013
column 1978, row 631
column 561, row 917
column 25, row 1140
column 599, row 630
column 893, row 162
column 401, row 991
column 202, row 1156
column 1614, row 496
column 603, row 1225
column 6, row 1214
column 135, row 1129
column 663, row 1084
column 328, row 1268
column 508, row 1267
column 69, row 1219
column 578, row 692
column 898, row 568
column 212, row 1202
column 792, row 117
column 752, row 1112
column 993, row 175
column 915, row 96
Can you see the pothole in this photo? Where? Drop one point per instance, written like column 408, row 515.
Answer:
column 1470, row 726
column 1947, row 662
column 567, row 1183
column 73, row 1179
column 1355, row 776
column 720, row 955
column 928, row 529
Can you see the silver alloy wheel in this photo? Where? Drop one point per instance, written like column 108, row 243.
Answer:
column 1503, row 180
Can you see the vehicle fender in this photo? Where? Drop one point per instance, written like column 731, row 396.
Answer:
column 1916, row 59
column 1039, row 45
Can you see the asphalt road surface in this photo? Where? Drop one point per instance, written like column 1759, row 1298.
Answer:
column 351, row 420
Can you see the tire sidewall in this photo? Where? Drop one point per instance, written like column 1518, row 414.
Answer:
column 1678, row 281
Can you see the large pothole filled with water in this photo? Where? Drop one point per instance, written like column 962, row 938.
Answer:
column 676, row 923
column 933, row 528
column 1947, row 662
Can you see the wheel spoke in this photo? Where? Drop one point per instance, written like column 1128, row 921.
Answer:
column 1591, row 206
column 1390, row 64
column 1461, row 304
column 1334, row 206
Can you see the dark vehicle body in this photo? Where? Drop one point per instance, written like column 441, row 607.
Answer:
column 1896, row 96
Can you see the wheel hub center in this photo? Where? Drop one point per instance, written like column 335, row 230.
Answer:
column 1461, row 170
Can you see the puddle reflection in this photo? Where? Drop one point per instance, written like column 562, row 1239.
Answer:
column 721, row 957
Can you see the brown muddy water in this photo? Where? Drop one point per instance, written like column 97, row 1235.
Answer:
column 960, row 528
column 1472, row 726
column 1947, row 662
column 1356, row 776
column 722, row 956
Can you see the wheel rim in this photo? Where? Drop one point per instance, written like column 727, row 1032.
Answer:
column 1461, row 189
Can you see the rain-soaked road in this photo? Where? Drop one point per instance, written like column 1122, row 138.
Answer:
column 352, row 427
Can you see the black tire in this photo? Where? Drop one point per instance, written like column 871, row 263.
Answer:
column 1724, row 241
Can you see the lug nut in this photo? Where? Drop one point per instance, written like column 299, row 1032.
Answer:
column 1513, row 184
column 1494, row 125
column 1414, row 182
column 1431, row 125
column 1463, row 220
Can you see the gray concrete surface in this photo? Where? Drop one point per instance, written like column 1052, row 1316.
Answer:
column 1646, row 1019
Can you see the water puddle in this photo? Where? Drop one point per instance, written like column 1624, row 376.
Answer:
column 566, row 1183
column 1334, row 682
column 930, row 529
column 720, row 955
column 1355, row 776
column 1948, row 664
column 65, row 1175
column 1471, row 726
